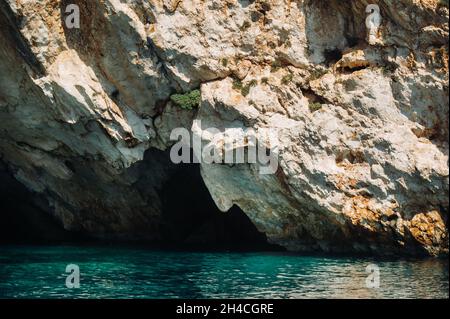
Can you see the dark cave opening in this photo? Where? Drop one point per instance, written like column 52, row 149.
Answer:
column 332, row 56
column 190, row 218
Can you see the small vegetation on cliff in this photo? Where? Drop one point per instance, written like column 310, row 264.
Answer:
column 313, row 107
column 244, row 88
column 237, row 84
column 225, row 62
column 316, row 74
column 275, row 66
column 287, row 78
column 187, row 101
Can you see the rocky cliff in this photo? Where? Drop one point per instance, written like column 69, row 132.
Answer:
column 362, row 125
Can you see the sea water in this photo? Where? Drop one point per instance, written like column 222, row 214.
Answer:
column 131, row 272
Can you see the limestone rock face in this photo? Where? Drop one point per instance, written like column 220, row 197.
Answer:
column 362, row 129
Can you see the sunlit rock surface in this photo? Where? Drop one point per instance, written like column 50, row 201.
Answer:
column 363, row 152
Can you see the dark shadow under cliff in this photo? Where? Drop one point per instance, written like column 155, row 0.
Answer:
column 190, row 218
column 21, row 219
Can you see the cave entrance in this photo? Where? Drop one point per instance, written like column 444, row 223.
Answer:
column 192, row 219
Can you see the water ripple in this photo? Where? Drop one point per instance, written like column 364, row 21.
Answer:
column 108, row 272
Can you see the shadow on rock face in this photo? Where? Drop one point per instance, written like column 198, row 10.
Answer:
column 192, row 219
column 189, row 218
column 22, row 220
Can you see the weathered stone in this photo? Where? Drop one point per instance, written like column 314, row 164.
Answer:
column 363, row 129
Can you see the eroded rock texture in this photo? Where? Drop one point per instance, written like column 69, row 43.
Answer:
column 363, row 128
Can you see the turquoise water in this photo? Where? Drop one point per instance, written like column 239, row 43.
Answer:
column 124, row 272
